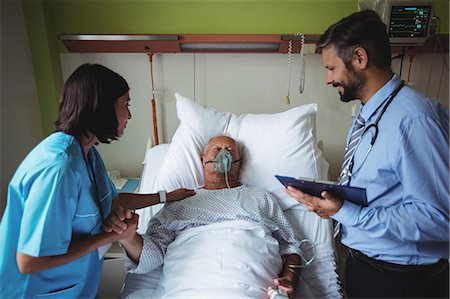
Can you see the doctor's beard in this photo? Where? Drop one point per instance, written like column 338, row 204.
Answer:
column 352, row 88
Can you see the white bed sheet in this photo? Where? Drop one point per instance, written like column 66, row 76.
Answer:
column 203, row 268
column 319, row 280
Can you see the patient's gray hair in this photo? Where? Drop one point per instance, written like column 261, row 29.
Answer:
column 238, row 145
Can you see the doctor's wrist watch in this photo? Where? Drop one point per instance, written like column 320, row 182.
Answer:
column 162, row 196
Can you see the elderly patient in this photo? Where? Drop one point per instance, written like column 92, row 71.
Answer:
column 222, row 199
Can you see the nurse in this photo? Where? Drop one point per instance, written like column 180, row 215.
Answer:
column 51, row 238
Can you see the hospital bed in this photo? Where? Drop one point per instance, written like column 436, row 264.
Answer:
column 281, row 143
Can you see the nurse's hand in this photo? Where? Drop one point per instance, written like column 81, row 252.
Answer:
column 179, row 194
column 117, row 220
column 324, row 207
column 130, row 231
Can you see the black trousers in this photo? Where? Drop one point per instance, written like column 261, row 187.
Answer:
column 364, row 279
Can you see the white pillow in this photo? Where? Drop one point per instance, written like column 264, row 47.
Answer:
column 153, row 161
column 281, row 143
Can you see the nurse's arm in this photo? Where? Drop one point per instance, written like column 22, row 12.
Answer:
column 78, row 247
column 135, row 201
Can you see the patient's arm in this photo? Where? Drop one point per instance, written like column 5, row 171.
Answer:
column 133, row 247
column 287, row 279
column 146, row 253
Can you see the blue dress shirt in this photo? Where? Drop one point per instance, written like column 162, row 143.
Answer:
column 406, row 175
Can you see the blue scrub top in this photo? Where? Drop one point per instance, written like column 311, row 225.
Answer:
column 51, row 199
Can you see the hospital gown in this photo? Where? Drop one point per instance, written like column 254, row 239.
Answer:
column 213, row 206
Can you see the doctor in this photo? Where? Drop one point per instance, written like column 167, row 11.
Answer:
column 398, row 149
column 51, row 236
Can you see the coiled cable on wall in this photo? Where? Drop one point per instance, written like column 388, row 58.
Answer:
column 302, row 66
column 288, row 86
column 302, row 63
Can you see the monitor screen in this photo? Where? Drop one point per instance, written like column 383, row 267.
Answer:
column 409, row 23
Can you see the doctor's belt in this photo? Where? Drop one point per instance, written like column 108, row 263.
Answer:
column 411, row 271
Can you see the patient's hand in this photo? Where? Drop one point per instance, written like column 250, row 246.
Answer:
column 179, row 194
column 130, row 231
column 287, row 284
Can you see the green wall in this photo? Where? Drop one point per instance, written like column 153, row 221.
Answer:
column 46, row 63
column 45, row 19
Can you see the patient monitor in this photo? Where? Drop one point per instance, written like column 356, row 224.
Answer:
column 408, row 22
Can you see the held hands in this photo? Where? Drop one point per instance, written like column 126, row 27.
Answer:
column 179, row 194
column 326, row 207
column 122, row 222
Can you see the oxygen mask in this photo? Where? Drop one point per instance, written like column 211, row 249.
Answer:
column 222, row 163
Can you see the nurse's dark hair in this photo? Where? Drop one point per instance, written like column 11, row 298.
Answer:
column 362, row 29
column 86, row 103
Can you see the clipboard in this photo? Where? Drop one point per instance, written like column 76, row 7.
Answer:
column 315, row 187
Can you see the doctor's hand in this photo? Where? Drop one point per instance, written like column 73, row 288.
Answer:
column 179, row 194
column 324, row 207
column 117, row 220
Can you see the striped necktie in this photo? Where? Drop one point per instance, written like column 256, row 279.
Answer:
column 357, row 131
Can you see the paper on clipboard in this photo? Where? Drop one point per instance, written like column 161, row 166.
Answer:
column 315, row 187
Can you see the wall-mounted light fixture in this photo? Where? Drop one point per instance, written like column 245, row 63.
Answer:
column 229, row 47
column 126, row 43
column 189, row 43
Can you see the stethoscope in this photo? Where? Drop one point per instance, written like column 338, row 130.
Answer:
column 349, row 171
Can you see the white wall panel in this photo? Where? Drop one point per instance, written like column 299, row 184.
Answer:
column 240, row 83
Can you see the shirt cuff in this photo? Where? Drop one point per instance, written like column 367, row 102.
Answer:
column 290, row 249
column 130, row 266
column 151, row 258
column 347, row 214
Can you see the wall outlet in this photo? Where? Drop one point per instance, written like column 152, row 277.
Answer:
column 434, row 26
